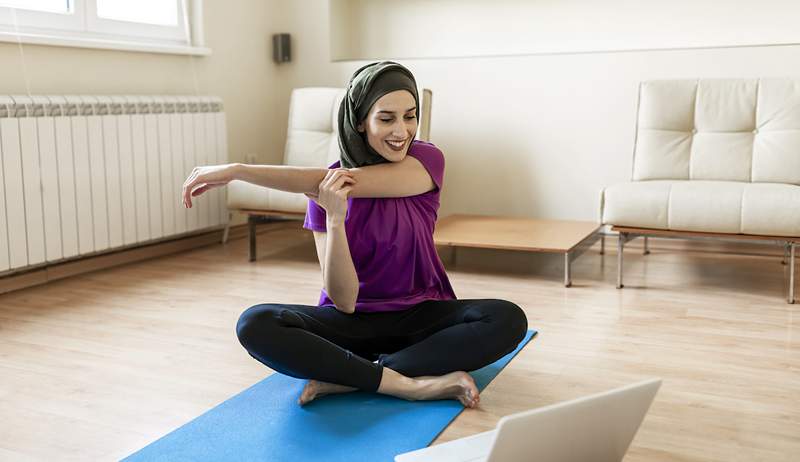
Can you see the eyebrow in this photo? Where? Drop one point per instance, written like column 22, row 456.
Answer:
column 392, row 112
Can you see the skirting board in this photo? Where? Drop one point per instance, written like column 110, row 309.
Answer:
column 56, row 271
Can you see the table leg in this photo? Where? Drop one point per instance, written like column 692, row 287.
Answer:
column 793, row 245
column 567, row 273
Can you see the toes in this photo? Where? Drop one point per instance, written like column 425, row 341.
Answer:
column 475, row 399
column 307, row 394
column 469, row 400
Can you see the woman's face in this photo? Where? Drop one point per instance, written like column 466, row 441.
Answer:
column 391, row 125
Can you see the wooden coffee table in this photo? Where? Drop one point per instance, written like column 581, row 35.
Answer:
column 570, row 238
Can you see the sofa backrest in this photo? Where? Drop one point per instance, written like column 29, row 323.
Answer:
column 312, row 140
column 719, row 129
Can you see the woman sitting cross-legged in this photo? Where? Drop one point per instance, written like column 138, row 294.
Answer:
column 387, row 320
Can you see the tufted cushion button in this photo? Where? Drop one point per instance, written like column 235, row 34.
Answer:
column 694, row 130
column 755, row 130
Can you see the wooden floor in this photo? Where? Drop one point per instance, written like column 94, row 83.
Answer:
column 95, row 367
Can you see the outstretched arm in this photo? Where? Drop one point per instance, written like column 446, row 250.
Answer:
column 392, row 179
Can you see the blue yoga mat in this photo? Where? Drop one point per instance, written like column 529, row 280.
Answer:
column 265, row 423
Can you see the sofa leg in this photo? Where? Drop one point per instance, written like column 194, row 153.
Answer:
column 602, row 243
column 646, row 246
column 227, row 229
column 251, row 225
column 620, row 248
column 792, row 248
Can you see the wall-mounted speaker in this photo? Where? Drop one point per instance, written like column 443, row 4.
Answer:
column 281, row 48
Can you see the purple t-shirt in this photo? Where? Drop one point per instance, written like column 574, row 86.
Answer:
column 391, row 243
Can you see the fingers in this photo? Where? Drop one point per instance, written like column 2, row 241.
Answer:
column 348, row 176
column 335, row 178
column 207, row 177
column 344, row 191
column 187, row 188
column 205, row 188
column 339, row 181
column 187, row 199
column 200, row 190
column 328, row 176
column 338, row 184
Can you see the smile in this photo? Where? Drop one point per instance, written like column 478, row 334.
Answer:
column 396, row 145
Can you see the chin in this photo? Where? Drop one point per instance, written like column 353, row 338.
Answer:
column 394, row 156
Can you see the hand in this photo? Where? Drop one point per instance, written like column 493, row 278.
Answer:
column 333, row 192
column 207, row 177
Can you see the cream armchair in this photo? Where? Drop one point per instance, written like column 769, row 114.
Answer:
column 311, row 141
column 713, row 158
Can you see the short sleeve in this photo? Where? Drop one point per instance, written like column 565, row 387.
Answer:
column 431, row 158
column 315, row 217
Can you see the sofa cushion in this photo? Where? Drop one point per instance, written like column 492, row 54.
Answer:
column 776, row 152
column 311, row 136
column 719, row 129
column 766, row 209
column 243, row 195
column 709, row 206
column 641, row 204
column 771, row 209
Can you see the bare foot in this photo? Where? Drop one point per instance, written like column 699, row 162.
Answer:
column 315, row 389
column 458, row 385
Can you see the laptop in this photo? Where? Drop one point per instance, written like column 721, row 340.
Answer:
column 596, row 428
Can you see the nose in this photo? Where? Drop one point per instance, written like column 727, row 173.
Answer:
column 399, row 129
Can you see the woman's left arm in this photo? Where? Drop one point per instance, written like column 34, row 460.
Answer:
column 407, row 177
column 282, row 177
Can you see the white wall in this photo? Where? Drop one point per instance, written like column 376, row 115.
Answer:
column 538, row 135
column 534, row 136
column 372, row 29
column 240, row 70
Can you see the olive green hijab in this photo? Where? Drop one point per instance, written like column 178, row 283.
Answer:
column 367, row 86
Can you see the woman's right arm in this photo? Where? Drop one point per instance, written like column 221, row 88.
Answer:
column 339, row 276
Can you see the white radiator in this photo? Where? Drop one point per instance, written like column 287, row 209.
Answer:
column 89, row 174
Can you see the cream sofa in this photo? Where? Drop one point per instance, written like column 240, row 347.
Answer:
column 715, row 158
column 311, row 141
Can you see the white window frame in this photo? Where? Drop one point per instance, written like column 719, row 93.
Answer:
column 83, row 28
column 30, row 20
column 176, row 34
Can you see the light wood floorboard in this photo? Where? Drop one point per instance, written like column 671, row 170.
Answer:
column 96, row 366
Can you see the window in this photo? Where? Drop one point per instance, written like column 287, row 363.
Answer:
column 149, row 25
column 52, row 6
column 144, row 11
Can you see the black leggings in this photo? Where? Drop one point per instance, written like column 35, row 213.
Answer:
column 432, row 338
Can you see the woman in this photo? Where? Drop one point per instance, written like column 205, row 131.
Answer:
column 387, row 319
